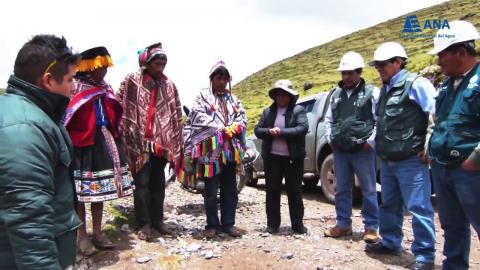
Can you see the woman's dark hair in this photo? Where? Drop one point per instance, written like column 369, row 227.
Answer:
column 222, row 71
column 44, row 52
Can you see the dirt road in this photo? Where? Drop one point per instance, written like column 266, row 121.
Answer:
column 256, row 249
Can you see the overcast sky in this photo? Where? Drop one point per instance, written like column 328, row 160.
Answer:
column 248, row 34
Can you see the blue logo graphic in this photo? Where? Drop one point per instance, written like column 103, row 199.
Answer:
column 412, row 28
column 411, row 24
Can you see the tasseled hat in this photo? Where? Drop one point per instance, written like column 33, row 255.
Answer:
column 93, row 59
column 221, row 64
column 147, row 54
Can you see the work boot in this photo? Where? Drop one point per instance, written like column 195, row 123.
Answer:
column 338, row 231
column 379, row 248
column 423, row 266
column 371, row 236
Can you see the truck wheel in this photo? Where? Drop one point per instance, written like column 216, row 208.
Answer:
column 310, row 184
column 251, row 182
column 328, row 179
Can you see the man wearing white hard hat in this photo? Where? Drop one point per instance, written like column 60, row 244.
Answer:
column 405, row 104
column 282, row 129
column 351, row 133
column 455, row 143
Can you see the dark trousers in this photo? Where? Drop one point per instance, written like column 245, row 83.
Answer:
column 226, row 180
column 457, row 192
column 276, row 168
column 149, row 193
column 67, row 248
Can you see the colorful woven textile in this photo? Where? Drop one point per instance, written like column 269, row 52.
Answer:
column 166, row 140
column 215, row 135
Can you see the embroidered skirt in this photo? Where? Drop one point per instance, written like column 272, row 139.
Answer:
column 101, row 172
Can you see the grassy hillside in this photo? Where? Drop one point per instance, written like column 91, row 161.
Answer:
column 319, row 64
column 2, row 91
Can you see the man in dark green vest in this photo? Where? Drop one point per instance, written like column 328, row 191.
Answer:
column 455, row 143
column 351, row 133
column 406, row 101
column 38, row 223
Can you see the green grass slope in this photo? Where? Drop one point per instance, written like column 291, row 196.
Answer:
column 319, row 64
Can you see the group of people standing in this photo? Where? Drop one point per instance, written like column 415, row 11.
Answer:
column 68, row 139
column 61, row 149
column 410, row 128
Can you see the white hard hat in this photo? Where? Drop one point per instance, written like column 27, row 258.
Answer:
column 459, row 31
column 351, row 61
column 387, row 51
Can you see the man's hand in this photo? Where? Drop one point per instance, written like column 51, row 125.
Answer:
column 275, row 132
column 469, row 165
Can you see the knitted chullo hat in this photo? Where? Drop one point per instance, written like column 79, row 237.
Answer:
column 147, row 54
column 221, row 64
column 93, row 59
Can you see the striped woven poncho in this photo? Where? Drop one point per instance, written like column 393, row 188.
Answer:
column 214, row 136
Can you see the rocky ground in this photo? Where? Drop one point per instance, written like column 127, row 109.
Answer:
column 188, row 249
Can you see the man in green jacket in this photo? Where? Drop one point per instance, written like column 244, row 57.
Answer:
column 38, row 222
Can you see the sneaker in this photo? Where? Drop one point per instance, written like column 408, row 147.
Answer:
column 379, row 248
column 338, row 231
column 210, row 233
column 423, row 266
column 271, row 230
column 371, row 236
column 300, row 230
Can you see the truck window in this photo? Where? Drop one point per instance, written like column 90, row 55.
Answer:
column 308, row 105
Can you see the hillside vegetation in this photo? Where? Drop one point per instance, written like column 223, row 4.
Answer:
column 319, row 64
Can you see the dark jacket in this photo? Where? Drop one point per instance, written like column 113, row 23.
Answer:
column 37, row 209
column 296, row 127
column 353, row 120
column 401, row 122
column 456, row 135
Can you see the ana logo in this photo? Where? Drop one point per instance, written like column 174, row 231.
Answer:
column 412, row 24
column 413, row 28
